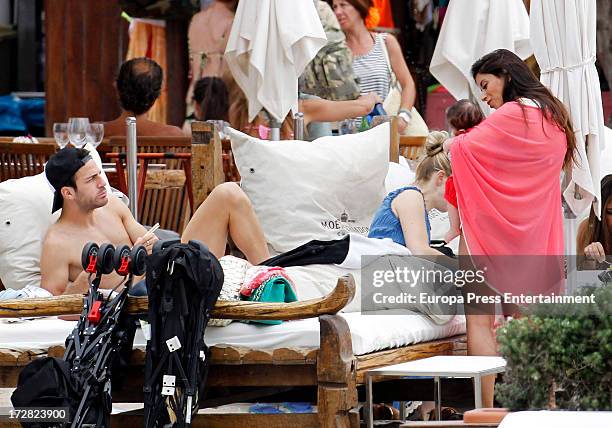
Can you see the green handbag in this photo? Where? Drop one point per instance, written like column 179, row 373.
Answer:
column 274, row 290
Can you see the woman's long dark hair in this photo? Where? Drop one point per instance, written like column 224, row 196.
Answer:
column 211, row 94
column 520, row 82
column 597, row 230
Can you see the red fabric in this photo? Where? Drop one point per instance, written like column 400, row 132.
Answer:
column 385, row 12
column 450, row 194
column 259, row 275
column 509, row 197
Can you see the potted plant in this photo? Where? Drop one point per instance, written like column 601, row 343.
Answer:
column 559, row 356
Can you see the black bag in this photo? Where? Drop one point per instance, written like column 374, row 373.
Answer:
column 83, row 380
column 53, row 382
column 45, row 382
column 183, row 284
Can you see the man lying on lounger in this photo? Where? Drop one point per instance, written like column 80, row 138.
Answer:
column 90, row 214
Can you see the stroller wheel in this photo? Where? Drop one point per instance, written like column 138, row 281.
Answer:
column 89, row 256
column 122, row 260
column 104, row 263
column 138, row 258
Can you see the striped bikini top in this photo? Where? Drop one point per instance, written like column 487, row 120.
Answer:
column 372, row 69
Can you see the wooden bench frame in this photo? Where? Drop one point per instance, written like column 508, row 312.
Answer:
column 332, row 368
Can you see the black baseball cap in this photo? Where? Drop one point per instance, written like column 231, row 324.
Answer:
column 60, row 169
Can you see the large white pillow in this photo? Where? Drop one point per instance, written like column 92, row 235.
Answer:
column 313, row 190
column 399, row 175
column 25, row 217
column 25, row 205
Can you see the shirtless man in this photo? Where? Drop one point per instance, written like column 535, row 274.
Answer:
column 139, row 85
column 81, row 192
column 90, row 214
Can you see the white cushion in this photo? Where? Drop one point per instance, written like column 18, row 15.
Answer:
column 313, row 190
column 399, row 175
column 25, row 207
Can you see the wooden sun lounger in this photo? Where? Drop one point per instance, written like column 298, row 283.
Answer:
column 332, row 368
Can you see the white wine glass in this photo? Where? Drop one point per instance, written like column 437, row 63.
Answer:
column 60, row 133
column 77, row 131
column 95, row 133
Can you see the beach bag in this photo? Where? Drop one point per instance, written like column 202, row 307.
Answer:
column 45, row 382
column 330, row 73
column 417, row 126
column 183, row 285
column 268, row 285
column 58, row 383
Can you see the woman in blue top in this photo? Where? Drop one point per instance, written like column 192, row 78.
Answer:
column 402, row 216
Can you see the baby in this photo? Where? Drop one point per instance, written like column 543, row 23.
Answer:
column 461, row 116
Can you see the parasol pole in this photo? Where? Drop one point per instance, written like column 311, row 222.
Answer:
column 131, row 165
column 298, row 126
column 275, row 126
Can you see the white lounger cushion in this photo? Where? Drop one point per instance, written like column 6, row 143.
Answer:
column 313, row 190
column 25, row 207
column 369, row 333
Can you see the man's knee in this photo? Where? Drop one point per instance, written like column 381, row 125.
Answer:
column 231, row 194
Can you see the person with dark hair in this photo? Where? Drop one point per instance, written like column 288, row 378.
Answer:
column 507, row 171
column 594, row 238
column 374, row 55
column 139, row 85
column 461, row 118
column 90, row 214
column 207, row 37
column 463, row 115
column 210, row 100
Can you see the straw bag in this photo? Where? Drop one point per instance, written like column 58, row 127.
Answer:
column 416, row 126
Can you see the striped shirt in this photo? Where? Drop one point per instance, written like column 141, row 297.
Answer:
column 372, row 69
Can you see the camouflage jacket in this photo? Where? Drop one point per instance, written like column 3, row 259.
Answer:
column 330, row 74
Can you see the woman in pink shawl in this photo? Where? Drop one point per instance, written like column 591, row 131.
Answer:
column 507, row 172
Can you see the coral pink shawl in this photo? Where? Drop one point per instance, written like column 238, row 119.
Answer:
column 507, row 174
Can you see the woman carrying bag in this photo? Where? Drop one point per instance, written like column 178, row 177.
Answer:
column 377, row 61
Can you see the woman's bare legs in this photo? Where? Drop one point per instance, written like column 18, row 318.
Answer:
column 228, row 210
column 480, row 337
column 480, row 341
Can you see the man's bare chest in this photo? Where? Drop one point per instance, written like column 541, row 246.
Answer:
column 104, row 231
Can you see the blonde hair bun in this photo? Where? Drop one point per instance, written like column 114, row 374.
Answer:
column 434, row 158
column 434, row 142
